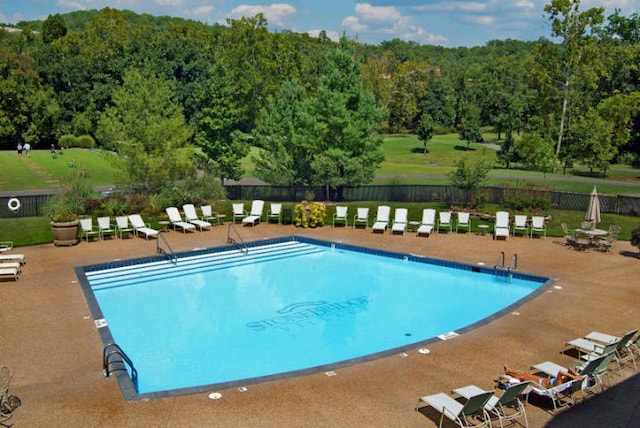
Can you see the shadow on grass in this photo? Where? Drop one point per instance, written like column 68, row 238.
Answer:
column 464, row 148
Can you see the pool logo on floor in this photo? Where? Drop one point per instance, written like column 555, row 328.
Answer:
column 303, row 314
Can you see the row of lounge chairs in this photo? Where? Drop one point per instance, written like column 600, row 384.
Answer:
column 472, row 406
column 10, row 263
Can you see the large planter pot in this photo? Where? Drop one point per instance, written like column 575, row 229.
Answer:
column 65, row 233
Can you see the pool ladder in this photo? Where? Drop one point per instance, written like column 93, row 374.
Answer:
column 114, row 359
column 239, row 243
column 169, row 251
column 500, row 270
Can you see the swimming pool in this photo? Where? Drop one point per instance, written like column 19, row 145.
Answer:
column 221, row 318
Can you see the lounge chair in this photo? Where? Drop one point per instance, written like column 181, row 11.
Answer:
column 122, row 226
column 238, row 212
column 469, row 414
column 361, row 217
column 428, row 222
column 341, row 215
column 590, row 349
column 5, row 246
column 274, row 213
column 399, row 224
column 13, row 257
column 191, row 216
column 87, row 230
column 520, row 223
column 444, row 221
column 507, row 407
column 209, row 216
column 139, row 226
column 6, row 272
column 628, row 352
column 381, row 222
column 538, row 225
column 593, row 371
column 255, row 214
column 501, row 227
column 464, row 221
column 176, row 220
column 105, row 227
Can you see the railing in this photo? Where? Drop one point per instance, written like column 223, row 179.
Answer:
column 110, row 365
column 239, row 243
column 170, row 254
column 500, row 270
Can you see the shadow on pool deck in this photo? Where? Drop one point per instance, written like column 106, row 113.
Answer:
column 49, row 340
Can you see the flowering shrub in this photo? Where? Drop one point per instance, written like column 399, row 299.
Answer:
column 310, row 214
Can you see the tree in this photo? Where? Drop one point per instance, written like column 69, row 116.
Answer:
column 426, row 130
column 53, row 28
column 469, row 177
column 469, row 129
column 576, row 57
column 217, row 126
column 148, row 131
column 534, row 151
column 591, row 141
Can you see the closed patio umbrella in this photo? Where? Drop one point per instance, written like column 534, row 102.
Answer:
column 593, row 212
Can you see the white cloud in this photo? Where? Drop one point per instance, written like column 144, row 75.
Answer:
column 278, row 14
column 371, row 22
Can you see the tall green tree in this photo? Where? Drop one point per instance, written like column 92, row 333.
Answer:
column 53, row 28
column 149, row 132
column 426, row 130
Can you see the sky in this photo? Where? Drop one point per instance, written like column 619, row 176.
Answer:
column 432, row 22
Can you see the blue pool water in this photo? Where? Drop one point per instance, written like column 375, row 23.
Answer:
column 285, row 307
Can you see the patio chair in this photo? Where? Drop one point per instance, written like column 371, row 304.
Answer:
column 593, row 371
column 274, row 213
column 469, row 414
column 340, row 216
column 255, row 214
column 464, row 221
column 508, row 407
column 191, row 216
column 399, row 224
column 427, row 223
column 559, row 395
column 105, row 227
column 139, row 226
column 20, row 258
column 607, row 243
column 381, row 222
column 122, row 226
column 501, row 227
column 520, row 223
column 444, row 220
column 87, row 230
column 6, row 246
column 568, row 236
column 538, row 225
column 209, row 215
column 628, row 352
column 361, row 217
column 10, row 272
column 238, row 212
column 176, row 220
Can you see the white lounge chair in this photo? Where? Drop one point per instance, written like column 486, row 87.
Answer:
column 255, row 214
column 520, row 223
column 105, row 227
column 538, row 225
column 274, row 213
column 20, row 258
column 122, row 225
column 341, row 215
column 464, row 221
column 209, row 215
column 6, row 246
column 238, row 212
column 469, row 414
column 444, row 220
column 176, row 220
column 139, row 226
column 87, row 230
column 381, row 222
column 501, row 227
column 9, row 272
column 361, row 217
column 191, row 216
column 399, row 221
column 428, row 222
column 507, row 407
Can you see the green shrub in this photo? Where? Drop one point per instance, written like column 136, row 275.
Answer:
column 67, row 141
column 85, row 142
column 526, row 197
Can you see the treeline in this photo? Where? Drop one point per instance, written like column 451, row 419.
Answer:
column 115, row 74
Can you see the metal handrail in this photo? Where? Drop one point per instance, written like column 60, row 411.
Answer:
column 500, row 263
column 171, row 254
column 514, row 262
column 109, row 366
column 240, row 242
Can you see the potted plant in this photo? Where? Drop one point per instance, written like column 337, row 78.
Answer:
column 64, row 207
column 635, row 237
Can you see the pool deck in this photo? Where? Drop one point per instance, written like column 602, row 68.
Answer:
column 50, row 342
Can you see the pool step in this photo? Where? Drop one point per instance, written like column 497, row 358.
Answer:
column 126, row 275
